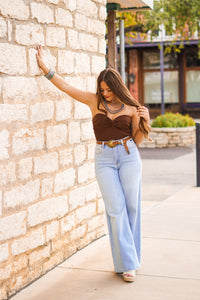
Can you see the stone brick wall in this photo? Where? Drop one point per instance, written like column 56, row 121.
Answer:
column 50, row 205
column 170, row 137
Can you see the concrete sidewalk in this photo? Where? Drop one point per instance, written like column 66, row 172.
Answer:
column 170, row 255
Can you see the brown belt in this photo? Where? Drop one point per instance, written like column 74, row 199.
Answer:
column 113, row 143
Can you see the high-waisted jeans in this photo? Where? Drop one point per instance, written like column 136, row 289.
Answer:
column 119, row 177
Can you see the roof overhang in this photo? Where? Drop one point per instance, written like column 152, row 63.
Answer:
column 127, row 5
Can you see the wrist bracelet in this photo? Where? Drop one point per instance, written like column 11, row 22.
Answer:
column 50, row 75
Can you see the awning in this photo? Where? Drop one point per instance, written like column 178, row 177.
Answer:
column 133, row 4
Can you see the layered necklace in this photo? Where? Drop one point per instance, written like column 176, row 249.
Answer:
column 112, row 111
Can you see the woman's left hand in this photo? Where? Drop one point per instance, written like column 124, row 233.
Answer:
column 143, row 112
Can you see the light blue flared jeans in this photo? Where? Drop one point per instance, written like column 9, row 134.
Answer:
column 119, row 177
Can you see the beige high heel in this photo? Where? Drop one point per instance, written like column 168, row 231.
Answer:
column 129, row 276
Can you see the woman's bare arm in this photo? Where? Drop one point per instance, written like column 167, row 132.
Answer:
column 137, row 135
column 82, row 96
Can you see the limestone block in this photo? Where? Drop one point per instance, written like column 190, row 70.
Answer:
column 67, row 223
column 91, row 191
column 19, row 90
column 4, row 144
column 47, row 186
column 102, row 46
column 32, row 240
column 88, row 42
column 64, row 180
column 46, row 163
column 13, row 226
column 73, row 39
column 12, row 59
column 52, row 230
column 19, row 263
column 92, row 84
column 56, row 37
column 10, row 28
column 3, row 292
column 29, row 34
column 86, row 172
column 87, row 132
column 88, row 7
column 96, row 222
column 77, row 197
column 25, row 168
column 39, row 255
column 79, row 154
column 102, row 13
column 0, row 203
column 42, row 111
column 82, row 63
column 91, row 150
column 77, row 81
column 98, row 64
column 53, row 261
column 53, row 1
column 3, row 28
column 0, row 85
column 64, row 17
column 43, row 13
column 66, row 61
column 100, row 206
column 56, row 136
column 15, row 9
column 47, row 89
column 7, row 173
column 82, row 111
column 101, row 1
column 85, row 212
column 78, row 233
column 22, row 195
column 80, row 21
column 5, row 273
column 63, row 109
column 26, row 140
column 47, row 210
column 10, row 113
column 3, row 252
column 69, row 4
column 66, row 157
column 74, row 132
column 96, row 27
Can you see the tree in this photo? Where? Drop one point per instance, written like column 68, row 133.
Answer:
column 181, row 19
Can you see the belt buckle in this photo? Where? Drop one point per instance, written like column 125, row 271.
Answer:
column 111, row 143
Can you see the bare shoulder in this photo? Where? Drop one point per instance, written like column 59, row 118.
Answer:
column 132, row 111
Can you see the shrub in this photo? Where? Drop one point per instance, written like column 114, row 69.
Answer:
column 173, row 120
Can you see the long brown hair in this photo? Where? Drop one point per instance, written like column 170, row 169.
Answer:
column 115, row 82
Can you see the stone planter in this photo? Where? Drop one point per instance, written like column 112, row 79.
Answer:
column 170, row 137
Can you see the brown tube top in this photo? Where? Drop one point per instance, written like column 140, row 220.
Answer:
column 106, row 129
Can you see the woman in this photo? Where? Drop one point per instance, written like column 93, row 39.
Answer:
column 120, row 124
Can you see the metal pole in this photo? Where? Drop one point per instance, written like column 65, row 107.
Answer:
column 122, row 52
column 198, row 152
column 162, row 78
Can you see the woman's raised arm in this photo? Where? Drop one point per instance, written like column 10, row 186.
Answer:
column 82, row 96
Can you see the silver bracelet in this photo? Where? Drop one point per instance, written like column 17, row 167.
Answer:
column 50, row 75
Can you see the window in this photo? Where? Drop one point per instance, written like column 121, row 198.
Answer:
column 193, row 85
column 152, row 87
column 152, row 77
column 151, row 60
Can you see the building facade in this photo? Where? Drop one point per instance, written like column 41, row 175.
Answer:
column 181, row 77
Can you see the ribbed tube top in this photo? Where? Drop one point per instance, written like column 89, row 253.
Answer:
column 106, row 129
